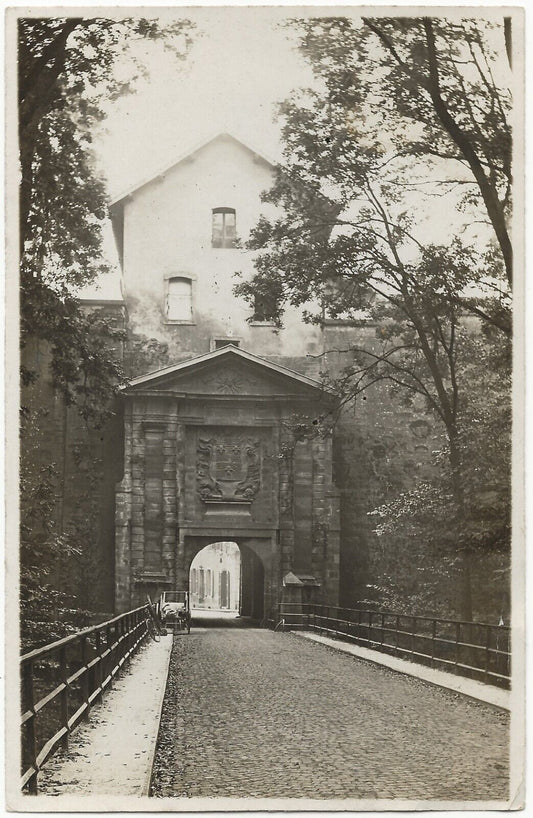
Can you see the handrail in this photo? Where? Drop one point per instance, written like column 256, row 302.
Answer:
column 478, row 650
column 394, row 613
column 38, row 653
column 62, row 680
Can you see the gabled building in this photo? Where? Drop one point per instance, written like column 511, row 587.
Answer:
column 209, row 454
column 205, row 445
column 180, row 237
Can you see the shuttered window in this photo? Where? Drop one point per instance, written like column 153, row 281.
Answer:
column 179, row 299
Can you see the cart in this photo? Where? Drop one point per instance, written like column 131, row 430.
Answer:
column 175, row 610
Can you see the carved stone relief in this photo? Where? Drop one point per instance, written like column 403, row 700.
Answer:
column 228, row 467
column 231, row 381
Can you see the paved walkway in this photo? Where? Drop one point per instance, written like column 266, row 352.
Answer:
column 112, row 753
column 252, row 713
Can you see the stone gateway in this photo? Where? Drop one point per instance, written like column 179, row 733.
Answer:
column 210, row 446
column 209, row 456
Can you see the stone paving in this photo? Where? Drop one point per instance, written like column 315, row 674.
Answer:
column 252, row 713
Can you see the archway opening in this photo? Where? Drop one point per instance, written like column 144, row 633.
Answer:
column 215, row 581
column 252, row 585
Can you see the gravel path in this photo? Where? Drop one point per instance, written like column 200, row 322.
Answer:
column 252, row 713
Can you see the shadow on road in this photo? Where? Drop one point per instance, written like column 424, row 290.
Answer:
column 220, row 619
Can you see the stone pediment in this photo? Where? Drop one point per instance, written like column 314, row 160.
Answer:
column 226, row 373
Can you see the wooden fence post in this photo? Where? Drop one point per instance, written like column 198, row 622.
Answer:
column 63, row 669
column 433, row 637
column 85, row 678
column 487, row 653
column 29, row 704
column 98, row 668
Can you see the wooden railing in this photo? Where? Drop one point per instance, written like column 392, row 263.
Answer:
column 473, row 649
column 61, row 681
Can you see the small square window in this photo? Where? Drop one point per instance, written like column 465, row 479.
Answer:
column 218, row 343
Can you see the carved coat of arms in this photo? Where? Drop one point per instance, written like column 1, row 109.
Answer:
column 228, row 468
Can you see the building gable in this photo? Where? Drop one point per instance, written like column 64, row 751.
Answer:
column 190, row 156
column 228, row 373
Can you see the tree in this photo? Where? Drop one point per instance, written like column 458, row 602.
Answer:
column 42, row 546
column 439, row 75
column 349, row 244
column 423, row 511
column 66, row 70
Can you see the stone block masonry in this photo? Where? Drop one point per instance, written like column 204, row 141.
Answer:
column 206, row 461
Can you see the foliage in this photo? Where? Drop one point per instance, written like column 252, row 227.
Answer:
column 434, row 87
column 423, row 510
column 67, row 68
column 143, row 354
column 65, row 72
column 43, row 546
column 348, row 245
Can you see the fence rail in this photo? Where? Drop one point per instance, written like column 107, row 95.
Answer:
column 61, row 681
column 473, row 649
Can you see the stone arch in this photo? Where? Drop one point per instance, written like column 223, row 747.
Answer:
column 252, row 575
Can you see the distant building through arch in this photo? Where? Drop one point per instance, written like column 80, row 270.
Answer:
column 215, row 578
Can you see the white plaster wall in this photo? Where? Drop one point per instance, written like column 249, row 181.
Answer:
column 167, row 231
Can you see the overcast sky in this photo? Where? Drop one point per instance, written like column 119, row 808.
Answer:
column 240, row 64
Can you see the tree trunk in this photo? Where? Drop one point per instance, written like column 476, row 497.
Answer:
column 464, row 591
column 508, row 34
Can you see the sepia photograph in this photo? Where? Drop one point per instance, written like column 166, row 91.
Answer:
column 265, row 387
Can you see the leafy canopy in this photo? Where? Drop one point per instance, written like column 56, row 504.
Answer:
column 428, row 88
column 67, row 67
column 353, row 240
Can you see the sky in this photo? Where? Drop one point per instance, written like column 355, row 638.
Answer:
column 241, row 63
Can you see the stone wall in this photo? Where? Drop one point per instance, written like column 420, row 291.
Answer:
column 87, row 463
column 304, row 520
column 382, row 449
column 223, row 468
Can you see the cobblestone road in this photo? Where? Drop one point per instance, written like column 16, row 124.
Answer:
column 252, row 713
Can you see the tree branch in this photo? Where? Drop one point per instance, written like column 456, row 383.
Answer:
column 464, row 144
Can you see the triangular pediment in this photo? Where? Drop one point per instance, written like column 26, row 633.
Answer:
column 226, row 373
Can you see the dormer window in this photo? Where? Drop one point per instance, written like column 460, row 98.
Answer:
column 178, row 306
column 224, row 227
